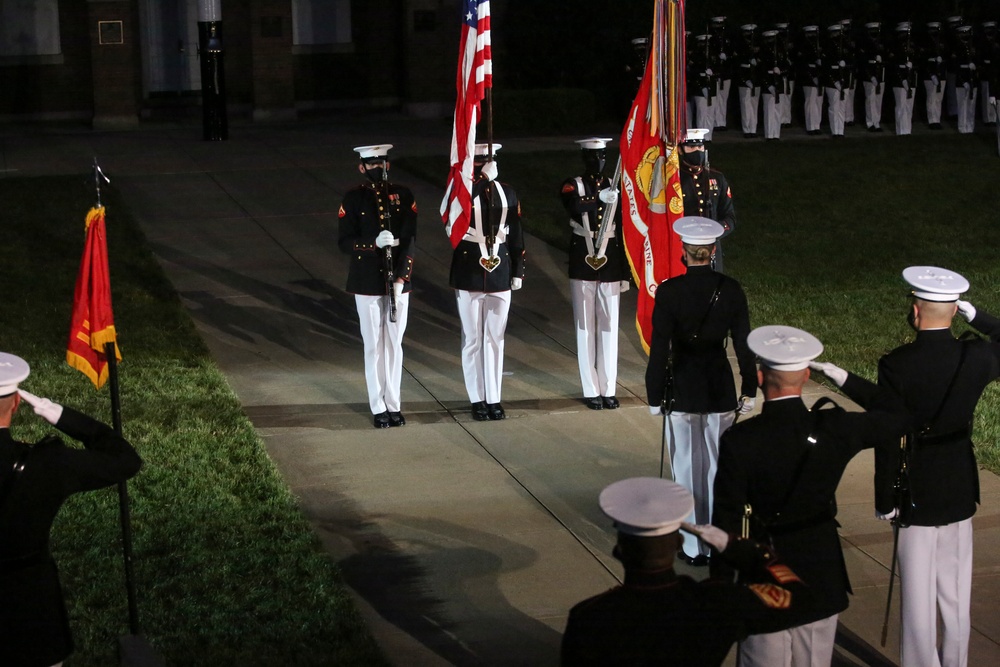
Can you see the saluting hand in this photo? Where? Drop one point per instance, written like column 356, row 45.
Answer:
column 44, row 408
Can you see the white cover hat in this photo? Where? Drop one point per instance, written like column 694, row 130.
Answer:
column 695, row 135
column 483, row 150
column 932, row 283
column 784, row 348
column 646, row 506
column 13, row 370
column 373, row 151
column 695, row 230
column 769, row 33
column 810, row 28
column 594, row 143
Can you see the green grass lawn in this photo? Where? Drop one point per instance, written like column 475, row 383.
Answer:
column 825, row 230
column 229, row 571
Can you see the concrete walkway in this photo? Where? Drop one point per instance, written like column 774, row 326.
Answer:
column 466, row 543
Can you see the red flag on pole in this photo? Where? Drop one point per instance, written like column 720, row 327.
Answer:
column 92, row 325
column 651, row 186
column 475, row 75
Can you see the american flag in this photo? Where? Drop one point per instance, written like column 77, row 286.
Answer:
column 475, row 75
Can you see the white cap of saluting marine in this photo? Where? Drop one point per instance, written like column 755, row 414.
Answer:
column 13, row 371
column 932, row 283
column 784, row 348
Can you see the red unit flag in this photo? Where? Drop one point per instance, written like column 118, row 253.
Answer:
column 93, row 323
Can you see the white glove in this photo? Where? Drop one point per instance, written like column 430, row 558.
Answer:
column 709, row 534
column 746, row 405
column 993, row 101
column 967, row 309
column 490, row 171
column 515, row 284
column 722, row 57
column 708, row 71
column 624, row 286
column 934, row 80
column 886, row 517
column 608, row 196
column 753, row 61
column 385, row 238
column 878, row 59
column 749, row 83
column 837, row 374
column 842, row 63
column 655, row 410
column 44, row 408
column 972, row 66
column 397, row 289
column 938, row 59
column 909, row 65
column 776, row 70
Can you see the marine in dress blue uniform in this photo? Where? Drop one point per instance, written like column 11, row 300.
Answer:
column 486, row 266
column 705, row 191
column 689, row 372
column 598, row 274
column 657, row 617
column 377, row 228
column 35, row 480
column 940, row 379
column 785, row 464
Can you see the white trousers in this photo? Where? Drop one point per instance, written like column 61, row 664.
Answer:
column 813, row 107
column 721, row 103
column 935, row 98
column 950, row 94
column 595, row 314
column 873, row 104
column 965, row 100
column 935, row 575
column 989, row 111
column 693, row 439
column 904, row 109
column 705, row 115
column 835, row 110
column 383, row 341
column 749, row 101
column 786, row 104
column 809, row 645
column 484, row 321
column 773, row 105
column 849, row 102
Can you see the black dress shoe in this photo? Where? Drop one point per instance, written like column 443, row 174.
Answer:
column 381, row 420
column 935, row 126
column 610, row 402
column 701, row 560
column 397, row 419
column 594, row 403
column 720, row 128
column 496, row 412
column 480, row 412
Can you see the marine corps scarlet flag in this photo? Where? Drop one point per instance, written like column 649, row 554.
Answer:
column 651, row 186
column 93, row 324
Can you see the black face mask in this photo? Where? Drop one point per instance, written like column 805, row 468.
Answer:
column 375, row 174
column 593, row 161
column 694, row 159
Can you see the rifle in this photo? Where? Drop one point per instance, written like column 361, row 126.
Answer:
column 597, row 260
column 666, row 407
column 387, row 264
column 900, row 491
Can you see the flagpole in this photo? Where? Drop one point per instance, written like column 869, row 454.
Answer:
column 123, row 499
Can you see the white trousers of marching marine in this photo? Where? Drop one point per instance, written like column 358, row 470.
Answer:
column 934, row 100
column 809, row 645
column 705, row 115
column 835, row 110
column 966, row 103
column 484, row 322
column 812, row 107
column 935, row 575
column 721, row 103
column 383, row 341
column 786, row 104
column 595, row 314
column 989, row 110
column 904, row 108
column 749, row 101
column 771, row 109
column 849, row 102
column 693, row 439
column 873, row 104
